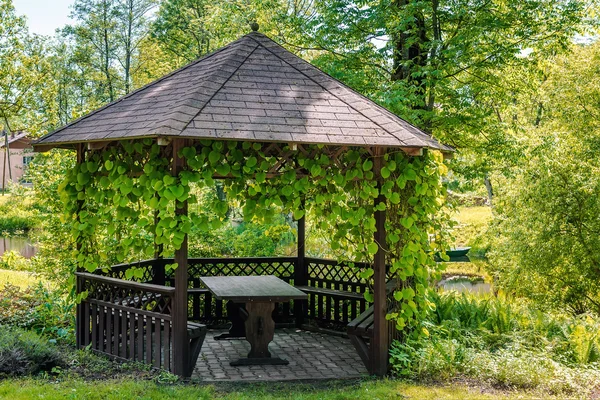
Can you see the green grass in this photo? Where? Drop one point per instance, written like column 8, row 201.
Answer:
column 21, row 279
column 22, row 389
column 472, row 224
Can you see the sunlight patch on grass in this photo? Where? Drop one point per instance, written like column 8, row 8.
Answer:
column 472, row 223
column 22, row 279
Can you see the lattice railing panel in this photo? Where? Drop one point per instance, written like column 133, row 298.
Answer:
column 120, row 271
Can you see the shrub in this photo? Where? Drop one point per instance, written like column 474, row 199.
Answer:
column 23, row 352
column 504, row 342
column 39, row 309
column 14, row 261
column 17, row 214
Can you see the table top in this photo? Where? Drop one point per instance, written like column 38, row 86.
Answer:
column 242, row 289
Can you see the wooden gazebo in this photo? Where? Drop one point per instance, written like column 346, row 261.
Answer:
column 252, row 90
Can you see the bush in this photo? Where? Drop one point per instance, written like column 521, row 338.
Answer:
column 24, row 353
column 14, row 261
column 39, row 309
column 17, row 214
column 504, row 342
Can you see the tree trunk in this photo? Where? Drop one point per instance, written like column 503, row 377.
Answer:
column 490, row 189
column 410, row 52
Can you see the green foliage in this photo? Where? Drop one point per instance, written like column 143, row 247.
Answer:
column 12, row 260
column 546, row 245
column 114, row 196
column 26, row 353
column 506, row 342
column 18, row 214
column 38, row 309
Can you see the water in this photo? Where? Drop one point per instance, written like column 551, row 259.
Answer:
column 462, row 284
column 19, row 244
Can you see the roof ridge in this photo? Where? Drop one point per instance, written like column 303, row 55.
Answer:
column 219, row 89
column 146, row 86
column 344, row 86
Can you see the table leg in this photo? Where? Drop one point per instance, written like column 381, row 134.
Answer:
column 260, row 329
column 237, row 315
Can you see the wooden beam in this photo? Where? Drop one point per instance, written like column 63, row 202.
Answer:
column 181, row 343
column 164, row 141
column 97, row 145
column 380, row 344
column 413, row 151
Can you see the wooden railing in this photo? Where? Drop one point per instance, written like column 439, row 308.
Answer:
column 126, row 320
column 335, row 289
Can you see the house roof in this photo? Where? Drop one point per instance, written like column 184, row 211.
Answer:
column 250, row 90
column 17, row 140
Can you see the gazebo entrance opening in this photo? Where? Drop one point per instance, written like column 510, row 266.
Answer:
column 284, row 137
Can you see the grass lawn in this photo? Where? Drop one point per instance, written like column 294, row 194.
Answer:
column 22, row 389
column 472, row 223
column 22, row 279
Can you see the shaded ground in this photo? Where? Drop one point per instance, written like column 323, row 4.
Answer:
column 311, row 356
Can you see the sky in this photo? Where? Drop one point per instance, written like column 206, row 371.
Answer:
column 44, row 16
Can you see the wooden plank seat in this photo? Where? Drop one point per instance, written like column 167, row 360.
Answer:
column 338, row 294
column 361, row 333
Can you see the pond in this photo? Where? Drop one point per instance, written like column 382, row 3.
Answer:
column 462, row 284
column 19, row 244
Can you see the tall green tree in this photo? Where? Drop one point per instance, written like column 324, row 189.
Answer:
column 133, row 27
column 23, row 72
column 547, row 229
column 94, row 37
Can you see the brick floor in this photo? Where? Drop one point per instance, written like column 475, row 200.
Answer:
column 311, row 355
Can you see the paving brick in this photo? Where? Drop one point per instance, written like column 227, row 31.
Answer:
column 322, row 357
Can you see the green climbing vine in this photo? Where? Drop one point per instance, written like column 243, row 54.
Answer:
column 121, row 202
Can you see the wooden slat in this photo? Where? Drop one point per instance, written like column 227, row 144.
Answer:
column 131, row 324
column 95, row 334
column 148, row 336
column 123, row 351
column 109, row 330
column 86, row 323
column 116, row 331
column 140, row 338
column 167, row 346
column 157, row 345
column 101, row 328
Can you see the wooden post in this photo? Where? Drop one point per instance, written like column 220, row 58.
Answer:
column 79, row 321
column 181, row 343
column 301, row 270
column 380, row 345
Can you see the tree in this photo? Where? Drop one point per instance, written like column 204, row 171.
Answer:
column 132, row 29
column 547, row 234
column 440, row 64
column 180, row 29
column 23, row 69
column 95, row 39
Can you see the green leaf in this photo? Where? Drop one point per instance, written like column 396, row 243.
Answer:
column 298, row 214
column 385, row 173
column 372, row 248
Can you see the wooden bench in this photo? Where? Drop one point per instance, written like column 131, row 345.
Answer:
column 360, row 330
column 196, row 335
column 338, row 294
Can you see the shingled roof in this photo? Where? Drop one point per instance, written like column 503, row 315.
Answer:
column 251, row 90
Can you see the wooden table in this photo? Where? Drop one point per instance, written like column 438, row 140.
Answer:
column 259, row 293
